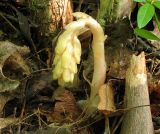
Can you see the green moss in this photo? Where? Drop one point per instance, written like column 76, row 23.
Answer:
column 41, row 15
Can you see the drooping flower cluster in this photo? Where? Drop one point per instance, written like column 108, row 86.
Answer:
column 68, row 51
column 67, row 56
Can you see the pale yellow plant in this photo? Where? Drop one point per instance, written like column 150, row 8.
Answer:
column 67, row 56
column 68, row 52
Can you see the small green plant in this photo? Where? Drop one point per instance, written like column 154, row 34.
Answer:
column 145, row 14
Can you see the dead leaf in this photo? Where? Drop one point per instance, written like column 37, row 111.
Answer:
column 24, row 26
column 7, row 84
column 10, row 53
column 3, row 100
column 156, row 31
column 65, row 109
column 4, row 122
column 53, row 129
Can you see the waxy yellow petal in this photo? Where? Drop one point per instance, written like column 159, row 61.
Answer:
column 58, row 70
column 56, row 59
column 62, row 42
column 66, row 75
column 73, row 66
column 77, row 49
column 67, row 56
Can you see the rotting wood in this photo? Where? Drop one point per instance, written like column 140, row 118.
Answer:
column 138, row 119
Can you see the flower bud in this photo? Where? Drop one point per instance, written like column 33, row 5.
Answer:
column 58, row 70
column 77, row 49
column 62, row 42
column 67, row 56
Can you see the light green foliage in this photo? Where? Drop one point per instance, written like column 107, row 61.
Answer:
column 157, row 4
column 145, row 34
column 145, row 14
column 140, row 0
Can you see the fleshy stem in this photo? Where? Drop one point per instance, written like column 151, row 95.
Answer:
column 99, row 73
column 76, row 28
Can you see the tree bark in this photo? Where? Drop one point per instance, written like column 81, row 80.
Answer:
column 138, row 119
column 50, row 14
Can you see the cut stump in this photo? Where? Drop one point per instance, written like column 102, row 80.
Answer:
column 137, row 119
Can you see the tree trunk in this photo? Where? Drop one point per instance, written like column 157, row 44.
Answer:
column 138, row 119
column 50, row 14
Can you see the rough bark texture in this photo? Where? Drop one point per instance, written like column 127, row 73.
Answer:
column 51, row 14
column 137, row 119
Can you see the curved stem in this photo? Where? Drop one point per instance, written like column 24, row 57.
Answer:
column 99, row 74
column 78, row 27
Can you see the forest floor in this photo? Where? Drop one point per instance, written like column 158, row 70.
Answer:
column 32, row 102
